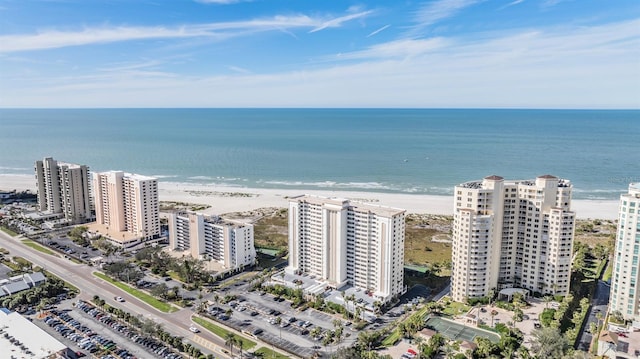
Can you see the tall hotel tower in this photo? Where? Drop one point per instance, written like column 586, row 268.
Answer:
column 625, row 287
column 127, row 202
column 228, row 243
column 512, row 234
column 63, row 188
column 343, row 242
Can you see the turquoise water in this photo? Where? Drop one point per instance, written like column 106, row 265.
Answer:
column 409, row 151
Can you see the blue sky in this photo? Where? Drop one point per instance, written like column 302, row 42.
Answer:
column 278, row 53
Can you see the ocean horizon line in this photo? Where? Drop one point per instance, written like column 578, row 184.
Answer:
column 328, row 108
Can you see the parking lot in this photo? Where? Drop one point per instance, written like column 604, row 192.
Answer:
column 256, row 313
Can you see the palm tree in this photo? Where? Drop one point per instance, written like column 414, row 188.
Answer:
column 449, row 352
column 315, row 331
column 547, row 299
column 278, row 322
column 493, row 314
column 508, row 353
column 240, row 344
column 230, row 340
column 352, row 298
column 377, row 305
column 599, row 317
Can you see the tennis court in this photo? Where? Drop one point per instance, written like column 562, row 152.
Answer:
column 457, row 331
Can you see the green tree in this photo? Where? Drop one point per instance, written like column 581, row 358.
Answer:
column 230, row 341
column 548, row 343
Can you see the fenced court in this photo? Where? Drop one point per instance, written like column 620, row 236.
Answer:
column 457, row 331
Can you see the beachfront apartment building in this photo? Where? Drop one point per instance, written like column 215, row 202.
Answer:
column 512, row 234
column 625, row 286
column 210, row 237
column 343, row 242
column 63, row 188
column 127, row 206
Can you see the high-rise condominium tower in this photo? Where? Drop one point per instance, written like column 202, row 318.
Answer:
column 346, row 242
column 625, row 287
column 228, row 243
column 512, row 234
column 63, row 188
column 127, row 202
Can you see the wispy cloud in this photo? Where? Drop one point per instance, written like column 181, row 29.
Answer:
column 550, row 3
column 438, row 10
column 338, row 21
column 239, row 69
column 399, row 49
column 515, row 2
column 51, row 39
column 563, row 67
column 221, row 2
column 378, row 30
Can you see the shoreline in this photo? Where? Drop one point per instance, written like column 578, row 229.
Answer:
column 227, row 199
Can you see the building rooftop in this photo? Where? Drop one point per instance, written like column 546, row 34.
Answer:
column 129, row 175
column 479, row 184
column 343, row 202
column 548, row 177
column 115, row 235
column 69, row 165
column 138, row 177
column 27, row 338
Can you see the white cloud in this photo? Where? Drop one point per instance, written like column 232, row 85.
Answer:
column 438, row 10
column 220, row 31
column 378, row 30
column 515, row 2
column 568, row 67
column 396, row 49
column 338, row 21
column 239, row 69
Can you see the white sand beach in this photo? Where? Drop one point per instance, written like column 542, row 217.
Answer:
column 226, row 199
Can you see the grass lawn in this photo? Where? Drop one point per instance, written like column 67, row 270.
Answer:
column 38, row 247
column 174, row 275
column 8, row 231
column 268, row 354
column 420, row 250
column 221, row 332
column 271, row 231
column 607, row 273
column 455, row 308
column 266, row 261
column 149, row 299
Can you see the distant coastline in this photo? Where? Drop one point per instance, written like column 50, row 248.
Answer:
column 399, row 151
column 227, row 199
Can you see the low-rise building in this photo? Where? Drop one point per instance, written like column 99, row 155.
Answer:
column 21, row 282
column 20, row 338
column 211, row 237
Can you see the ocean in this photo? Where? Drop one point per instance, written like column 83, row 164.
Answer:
column 382, row 150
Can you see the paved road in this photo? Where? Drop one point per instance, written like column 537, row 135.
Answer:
column 598, row 304
column 81, row 276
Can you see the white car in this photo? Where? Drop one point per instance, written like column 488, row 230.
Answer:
column 119, row 299
column 194, row 329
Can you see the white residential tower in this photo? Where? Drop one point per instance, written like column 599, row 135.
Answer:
column 625, row 286
column 228, row 243
column 63, row 188
column 512, row 234
column 344, row 242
